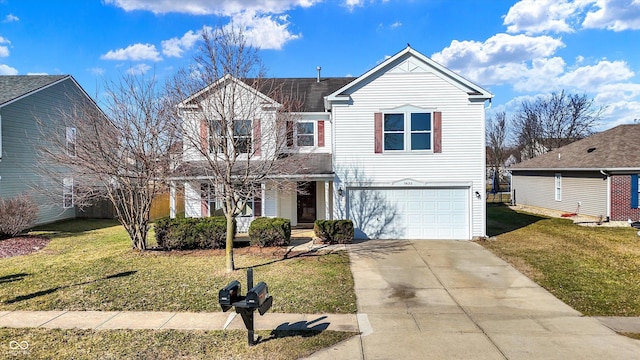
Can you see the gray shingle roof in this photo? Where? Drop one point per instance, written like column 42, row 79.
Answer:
column 15, row 86
column 616, row 148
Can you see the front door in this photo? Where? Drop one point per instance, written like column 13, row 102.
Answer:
column 306, row 202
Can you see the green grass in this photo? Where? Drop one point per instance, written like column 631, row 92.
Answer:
column 593, row 269
column 162, row 344
column 89, row 265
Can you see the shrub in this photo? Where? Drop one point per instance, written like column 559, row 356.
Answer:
column 16, row 215
column 270, row 232
column 192, row 233
column 334, row 231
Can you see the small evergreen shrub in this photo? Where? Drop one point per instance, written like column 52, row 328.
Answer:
column 334, row 231
column 192, row 233
column 265, row 232
column 17, row 215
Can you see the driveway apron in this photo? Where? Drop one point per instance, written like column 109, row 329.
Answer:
column 456, row 300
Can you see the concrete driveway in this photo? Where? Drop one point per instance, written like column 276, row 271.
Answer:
column 456, row 300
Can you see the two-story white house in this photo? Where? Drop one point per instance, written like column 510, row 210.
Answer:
column 399, row 150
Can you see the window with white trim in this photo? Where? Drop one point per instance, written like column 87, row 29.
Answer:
column 558, row 187
column 67, row 193
column 305, row 133
column 70, row 141
column 407, row 131
column 241, row 140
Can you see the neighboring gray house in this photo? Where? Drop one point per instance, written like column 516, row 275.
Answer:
column 24, row 100
column 595, row 176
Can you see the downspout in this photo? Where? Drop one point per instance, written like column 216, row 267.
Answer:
column 608, row 179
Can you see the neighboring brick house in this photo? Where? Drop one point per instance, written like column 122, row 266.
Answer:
column 595, row 176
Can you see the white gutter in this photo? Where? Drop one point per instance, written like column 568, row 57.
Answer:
column 577, row 169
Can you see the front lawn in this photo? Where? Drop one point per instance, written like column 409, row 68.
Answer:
column 596, row 270
column 89, row 265
column 161, row 344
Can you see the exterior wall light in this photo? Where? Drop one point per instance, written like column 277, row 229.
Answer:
column 340, row 191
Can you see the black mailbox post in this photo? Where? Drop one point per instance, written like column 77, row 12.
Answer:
column 257, row 298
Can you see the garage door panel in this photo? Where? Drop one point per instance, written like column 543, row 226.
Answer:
column 417, row 213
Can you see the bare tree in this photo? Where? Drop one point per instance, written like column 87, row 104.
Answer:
column 119, row 155
column 496, row 140
column 555, row 120
column 236, row 125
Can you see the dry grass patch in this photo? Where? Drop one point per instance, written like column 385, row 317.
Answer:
column 593, row 269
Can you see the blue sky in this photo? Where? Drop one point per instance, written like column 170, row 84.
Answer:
column 515, row 49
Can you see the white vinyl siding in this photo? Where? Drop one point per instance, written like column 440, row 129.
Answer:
column 538, row 189
column 462, row 159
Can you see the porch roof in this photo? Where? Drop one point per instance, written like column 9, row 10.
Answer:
column 294, row 167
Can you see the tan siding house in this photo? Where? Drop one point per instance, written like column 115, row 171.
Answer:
column 595, row 176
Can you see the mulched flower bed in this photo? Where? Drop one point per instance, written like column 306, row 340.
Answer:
column 22, row 245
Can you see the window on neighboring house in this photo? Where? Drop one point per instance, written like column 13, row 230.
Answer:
column 67, row 193
column 70, row 142
column 407, row 131
column 558, row 187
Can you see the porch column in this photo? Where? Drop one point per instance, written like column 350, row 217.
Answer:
column 263, row 196
column 327, row 201
column 172, row 199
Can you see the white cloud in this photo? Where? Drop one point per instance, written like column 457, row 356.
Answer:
column 616, row 15
column 4, row 50
column 97, row 71
column 266, row 31
column 174, row 47
column 498, row 49
column 138, row 69
column 37, row 73
column 136, row 52
column 212, row 7
column 590, row 77
column 541, row 16
column 11, row 18
column 7, row 70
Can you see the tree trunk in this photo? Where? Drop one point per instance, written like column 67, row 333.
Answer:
column 229, row 244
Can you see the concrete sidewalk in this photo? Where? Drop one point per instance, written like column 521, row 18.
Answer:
column 456, row 300
column 100, row 320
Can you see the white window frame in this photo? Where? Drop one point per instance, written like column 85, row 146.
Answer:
column 314, row 133
column 406, row 131
column 558, row 187
column 70, row 140
column 67, row 193
column 233, row 141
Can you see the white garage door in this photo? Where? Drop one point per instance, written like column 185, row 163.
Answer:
column 409, row 213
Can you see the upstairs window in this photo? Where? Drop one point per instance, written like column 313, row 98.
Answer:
column 242, row 136
column 558, row 187
column 70, row 141
column 241, row 141
column 407, row 131
column 305, row 134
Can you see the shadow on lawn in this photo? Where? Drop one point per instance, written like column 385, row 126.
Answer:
column 52, row 290
column 501, row 219
column 13, row 277
column 77, row 225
